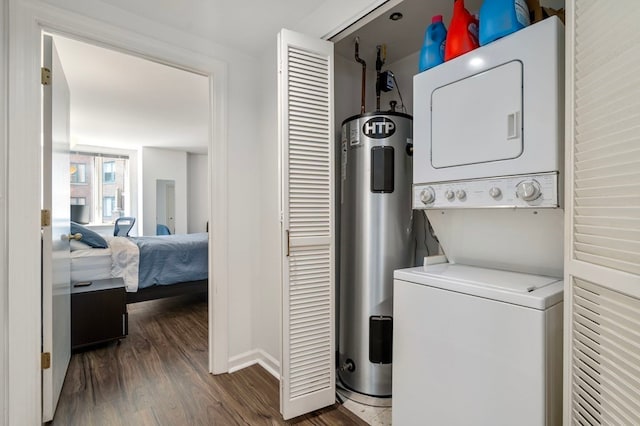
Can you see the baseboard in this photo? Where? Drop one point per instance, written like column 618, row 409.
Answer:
column 269, row 363
column 256, row 356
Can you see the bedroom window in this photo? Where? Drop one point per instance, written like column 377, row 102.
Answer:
column 108, row 207
column 109, row 171
column 78, row 172
column 78, row 201
column 101, row 181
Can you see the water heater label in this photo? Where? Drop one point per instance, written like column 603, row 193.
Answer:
column 354, row 137
column 379, row 128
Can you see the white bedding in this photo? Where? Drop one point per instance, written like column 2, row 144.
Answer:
column 121, row 259
column 90, row 264
column 125, row 259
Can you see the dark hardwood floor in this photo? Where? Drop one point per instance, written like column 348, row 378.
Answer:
column 158, row 376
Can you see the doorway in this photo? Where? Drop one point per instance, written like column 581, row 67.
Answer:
column 23, row 272
column 166, row 205
column 125, row 108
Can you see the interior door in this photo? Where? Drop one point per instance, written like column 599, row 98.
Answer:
column 602, row 263
column 171, row 207
column 305, row 108
column 56, row 289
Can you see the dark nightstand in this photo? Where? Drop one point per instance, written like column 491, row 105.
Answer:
column 98, row 312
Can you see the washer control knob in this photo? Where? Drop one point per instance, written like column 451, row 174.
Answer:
column 449, row 194
column 528, row 190
column 495, row 192
column 427, row 196
column 460, row 194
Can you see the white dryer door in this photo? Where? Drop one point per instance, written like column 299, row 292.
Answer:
column 478, row 119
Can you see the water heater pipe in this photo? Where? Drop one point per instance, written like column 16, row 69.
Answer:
column 381, row 56
column 364, row 74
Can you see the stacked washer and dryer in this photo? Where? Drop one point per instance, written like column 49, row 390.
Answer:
column 477, row 339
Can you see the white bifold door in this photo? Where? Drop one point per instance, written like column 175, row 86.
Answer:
column 306, row 133
column 56, row 289
column 602, row 262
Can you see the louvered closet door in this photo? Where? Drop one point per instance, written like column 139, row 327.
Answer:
column 602, row 266
column 306, row 143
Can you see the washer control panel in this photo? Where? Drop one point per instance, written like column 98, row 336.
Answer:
column 522, row 191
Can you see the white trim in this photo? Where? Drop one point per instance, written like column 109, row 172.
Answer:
column 23, row 203
column 27, row 21
column 218, row 229
column 256, row 356
column 243, row 360
column 624, row 282
column 4, row 319
column 360, row 19
column 270, row 364
column 568, row 211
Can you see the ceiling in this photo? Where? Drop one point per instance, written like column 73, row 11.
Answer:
column 122, row 101
column 246, row 25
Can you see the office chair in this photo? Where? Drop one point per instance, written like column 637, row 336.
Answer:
column 162, row 229
column 123, row 225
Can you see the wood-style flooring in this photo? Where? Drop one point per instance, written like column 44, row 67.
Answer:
column 158, row 376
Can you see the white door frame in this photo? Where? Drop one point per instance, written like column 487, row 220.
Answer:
column 23, row 175
column 4, row 67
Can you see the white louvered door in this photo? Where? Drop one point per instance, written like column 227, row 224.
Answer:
column 305, row 98
column 602, row 263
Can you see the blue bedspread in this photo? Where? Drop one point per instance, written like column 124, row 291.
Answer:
column 171, row 259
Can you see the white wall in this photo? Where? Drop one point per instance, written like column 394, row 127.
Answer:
column 197, row 196
column 163, row 164
column 243, row 73
column 266, row 294
column 245, row 167
column 348, row 75
column 4, row 322
column 243, row 142
column 404, row 70
column 348, row 84
column 253, row 228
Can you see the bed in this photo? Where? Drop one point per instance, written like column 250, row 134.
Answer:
column 152, row 267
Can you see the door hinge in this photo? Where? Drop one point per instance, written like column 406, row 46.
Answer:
column 45, row 76
column 45, row 217
column 45, row 360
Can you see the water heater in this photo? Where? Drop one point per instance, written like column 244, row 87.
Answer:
column 376, row 237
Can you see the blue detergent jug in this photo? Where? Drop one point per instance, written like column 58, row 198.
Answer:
column 432, row 52
column 499, row 18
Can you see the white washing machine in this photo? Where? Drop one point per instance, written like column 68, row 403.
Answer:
column 476, row 346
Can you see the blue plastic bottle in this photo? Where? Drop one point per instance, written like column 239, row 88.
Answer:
column 499, row 18
column 432, row 52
